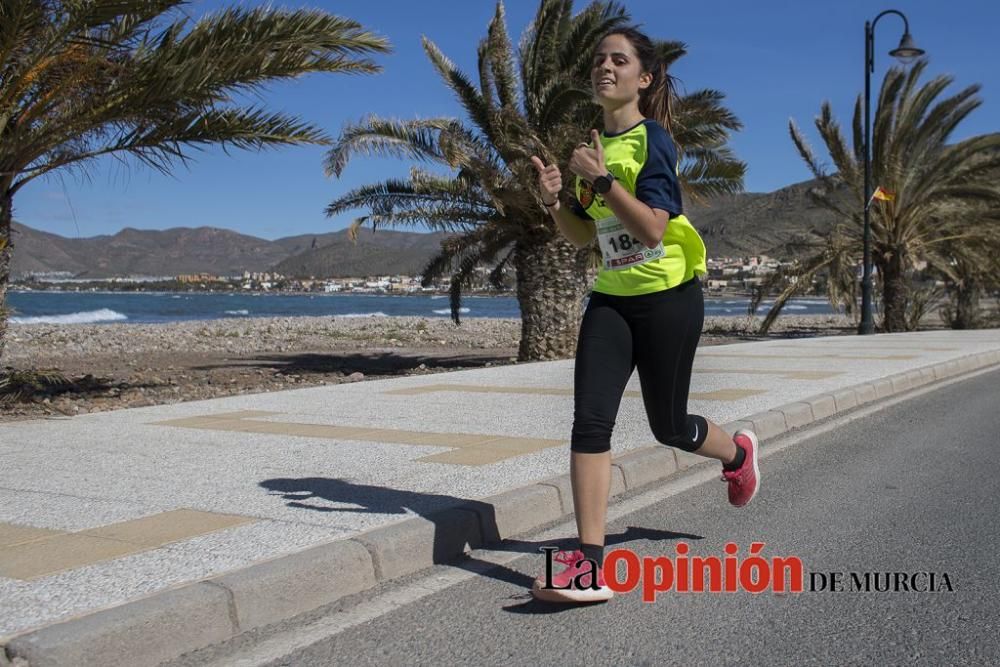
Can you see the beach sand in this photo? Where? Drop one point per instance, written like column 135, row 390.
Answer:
column 122, row 365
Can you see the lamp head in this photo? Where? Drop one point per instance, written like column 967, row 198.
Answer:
column 907, row 51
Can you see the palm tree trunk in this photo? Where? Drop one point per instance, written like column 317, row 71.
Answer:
column 895, row 292
column 6, row 216
column 966, row 305
column 551, row 285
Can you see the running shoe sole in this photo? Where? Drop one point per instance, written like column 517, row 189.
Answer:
column 756, row 468
column 571, row 594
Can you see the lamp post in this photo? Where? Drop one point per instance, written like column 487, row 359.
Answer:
column 905, row 52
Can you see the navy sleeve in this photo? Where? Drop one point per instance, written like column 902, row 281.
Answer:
column 657, row 185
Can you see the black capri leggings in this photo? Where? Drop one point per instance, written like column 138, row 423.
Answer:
column 658, row 333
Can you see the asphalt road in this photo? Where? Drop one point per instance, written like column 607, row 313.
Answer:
column 911, row 488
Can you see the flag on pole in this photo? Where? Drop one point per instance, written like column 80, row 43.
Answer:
column 882, row 195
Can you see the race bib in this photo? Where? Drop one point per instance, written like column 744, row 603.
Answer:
column 620, row 249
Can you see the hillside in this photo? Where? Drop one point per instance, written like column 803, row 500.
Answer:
column 737, row 225
column 143, row 252
column 375, row 252
column 753, row 224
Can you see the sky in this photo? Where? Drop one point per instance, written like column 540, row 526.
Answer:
column 774, row 60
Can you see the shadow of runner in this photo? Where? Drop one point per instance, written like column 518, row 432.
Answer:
column 435, row 508
column 369, row 363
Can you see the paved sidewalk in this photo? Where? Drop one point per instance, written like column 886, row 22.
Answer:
column 151, row 503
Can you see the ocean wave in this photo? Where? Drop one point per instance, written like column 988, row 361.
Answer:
column 377, row 314
column 83, row 317
column 243, row 311
column 793, row 307
column 447, row 311
column 439, row 296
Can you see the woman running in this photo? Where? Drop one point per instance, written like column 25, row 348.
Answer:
column 646, row 310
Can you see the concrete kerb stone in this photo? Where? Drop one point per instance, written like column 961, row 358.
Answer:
column 733, row 427
column 139, row 633
column 618, row 485
column 797, row 414
column 823, row 406
column 967, row 364
column 290, row 585
column 644, row 466
column 915, row 377
column 846, row 399
column 769, row 423
column 562, row 484
column 687, row 460
column 520, row 510
column 883, row 388
column 414, row 544
column 866, row 393
column 902, row 382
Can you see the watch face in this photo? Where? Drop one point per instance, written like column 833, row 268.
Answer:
column 602, row 184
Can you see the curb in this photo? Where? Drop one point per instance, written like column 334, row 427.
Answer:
column 179, row 620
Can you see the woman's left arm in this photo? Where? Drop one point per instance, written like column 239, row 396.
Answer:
column 644, row 223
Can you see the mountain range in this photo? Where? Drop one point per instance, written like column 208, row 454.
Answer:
column 735, row 225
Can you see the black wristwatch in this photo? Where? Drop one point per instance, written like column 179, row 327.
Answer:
column 602, row 184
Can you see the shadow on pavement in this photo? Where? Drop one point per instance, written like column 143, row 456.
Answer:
column 433, row 507
column 381, row 363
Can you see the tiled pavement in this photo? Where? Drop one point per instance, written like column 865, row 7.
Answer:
column 100, row 509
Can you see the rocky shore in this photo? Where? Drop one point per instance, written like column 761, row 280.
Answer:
column 121, row 365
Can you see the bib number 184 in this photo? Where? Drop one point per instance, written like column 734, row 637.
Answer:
column 623, row 242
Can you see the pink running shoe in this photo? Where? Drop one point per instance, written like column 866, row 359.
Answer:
column 564, row 588
column 745, row 480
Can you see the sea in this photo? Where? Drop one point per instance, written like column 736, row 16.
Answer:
column 56, row 307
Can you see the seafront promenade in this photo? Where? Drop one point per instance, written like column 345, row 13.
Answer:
column 133, row 536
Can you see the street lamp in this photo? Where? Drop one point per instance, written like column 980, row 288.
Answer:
column 906, row 52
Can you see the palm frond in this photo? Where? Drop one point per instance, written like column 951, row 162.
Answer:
column 100, row 77
column 711, row 172
column 470, row 98
column 501, row 58
column 806, row 151
column 411, row 139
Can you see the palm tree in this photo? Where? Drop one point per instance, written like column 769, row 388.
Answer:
column 485, row 193
column 946, row 205
column 79, row 80
column 970, row 272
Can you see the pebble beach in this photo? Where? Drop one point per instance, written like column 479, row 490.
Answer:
column 120, row 365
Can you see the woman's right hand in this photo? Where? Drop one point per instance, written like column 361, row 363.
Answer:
column 549, row 181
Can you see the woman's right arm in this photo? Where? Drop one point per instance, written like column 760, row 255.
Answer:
column 578, row 231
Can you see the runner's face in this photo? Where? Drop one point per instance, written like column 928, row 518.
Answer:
column 616, row 73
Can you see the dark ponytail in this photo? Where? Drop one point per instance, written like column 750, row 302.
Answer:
column 656, row 101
